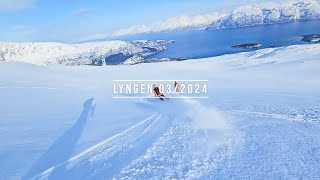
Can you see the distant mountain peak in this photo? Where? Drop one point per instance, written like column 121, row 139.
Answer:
column 89, row 53
column 269, row 13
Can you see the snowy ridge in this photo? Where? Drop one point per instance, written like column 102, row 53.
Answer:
column 269, row 13
column 247, row 15
column 171, row 24
column 90, row 53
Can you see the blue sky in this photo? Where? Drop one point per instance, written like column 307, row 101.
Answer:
column 69, row 20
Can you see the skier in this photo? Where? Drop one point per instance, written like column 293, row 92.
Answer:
column 176, row 86
column 156, row 92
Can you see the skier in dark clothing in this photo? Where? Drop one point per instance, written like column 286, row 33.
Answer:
column 156, row 92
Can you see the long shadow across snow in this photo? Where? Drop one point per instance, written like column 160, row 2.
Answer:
column 61, row 150
column 107, row 158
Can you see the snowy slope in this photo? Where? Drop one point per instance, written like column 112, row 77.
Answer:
column 269, row 13
column 91, row 53
column 262, row 120
column 171, row 24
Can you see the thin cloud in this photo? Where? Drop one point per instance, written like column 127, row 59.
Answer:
column 13, row 5
column 18, row 27
column 26, row 30
column 82, row 12
column 92, row 37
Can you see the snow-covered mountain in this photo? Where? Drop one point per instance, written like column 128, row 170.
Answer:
column 246, row 15
column 172, row 24
column 269, row 13
column 91, row 53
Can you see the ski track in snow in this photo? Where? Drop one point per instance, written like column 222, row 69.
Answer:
column 272, row 134
column 181, row 153
column 164, row 145
column 289, row 117
column 106, row 153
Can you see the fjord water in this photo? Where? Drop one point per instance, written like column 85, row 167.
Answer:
column 202, row 43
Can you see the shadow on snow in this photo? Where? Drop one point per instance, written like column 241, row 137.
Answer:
column 61, row 150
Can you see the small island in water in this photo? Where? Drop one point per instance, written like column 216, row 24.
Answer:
column 311, row 38
column 247, row 46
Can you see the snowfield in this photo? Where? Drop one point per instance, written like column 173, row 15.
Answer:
column 90, row 53
column 262, row 120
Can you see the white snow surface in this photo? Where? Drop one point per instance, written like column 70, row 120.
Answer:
column 171, row 24
column 269, row 13
column 262, row 120
column 45, row 53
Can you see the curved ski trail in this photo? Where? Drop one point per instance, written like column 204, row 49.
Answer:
column 106, row 159
column 186, row 140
